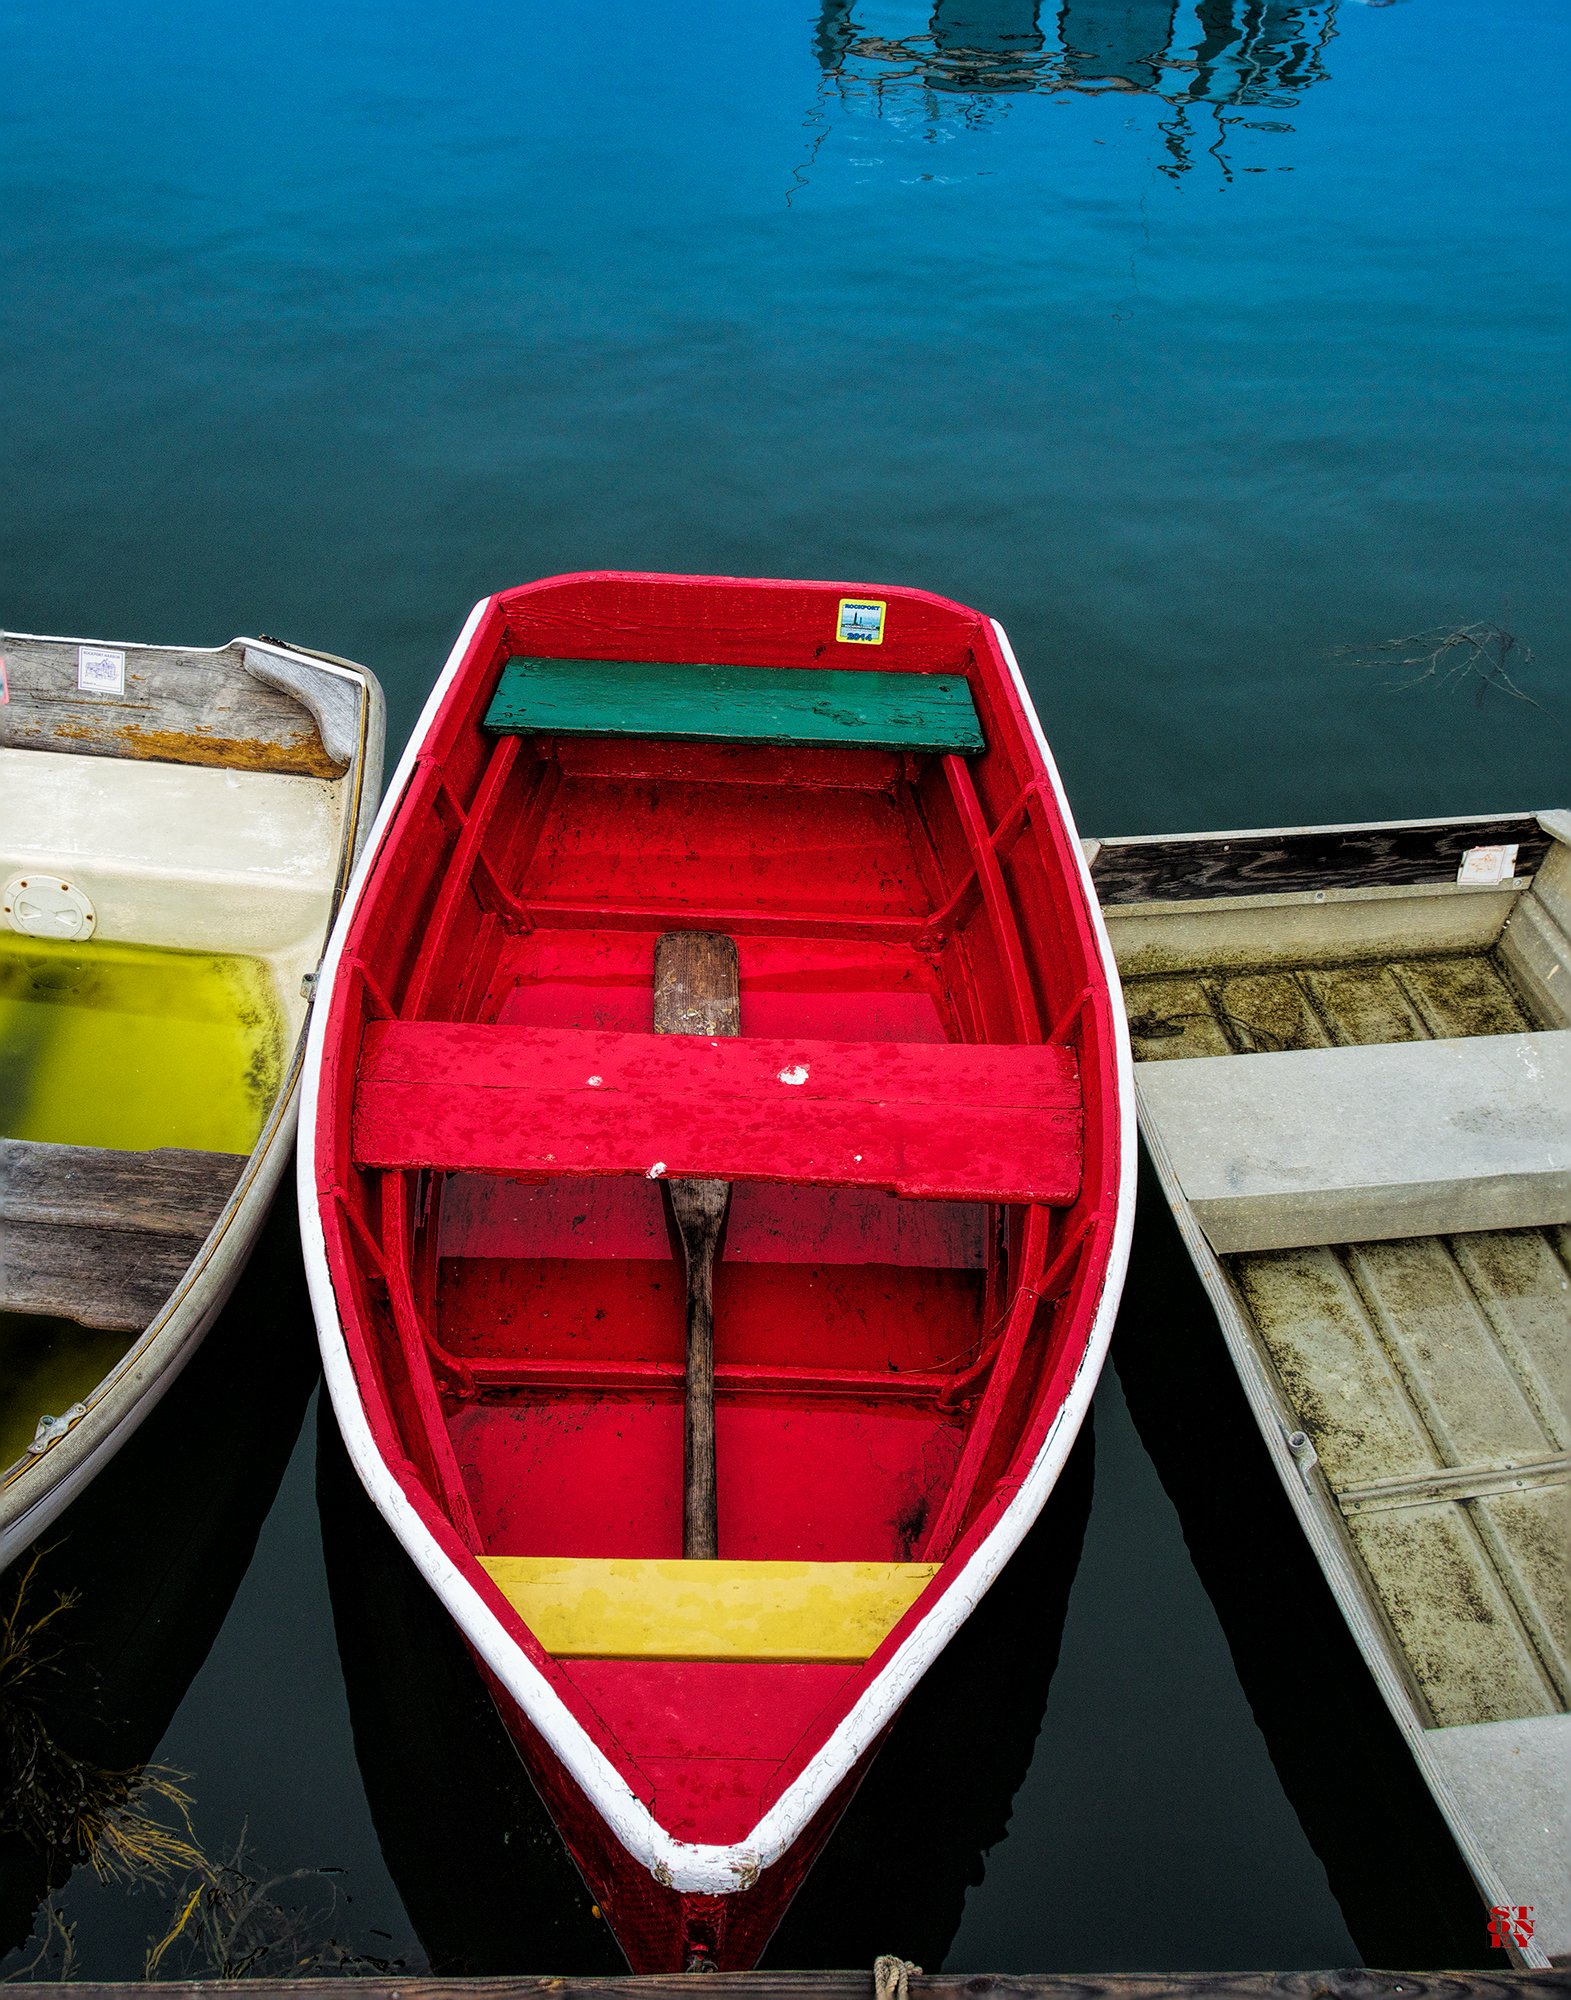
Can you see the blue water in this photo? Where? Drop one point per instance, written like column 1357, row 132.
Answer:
column 1210, row 346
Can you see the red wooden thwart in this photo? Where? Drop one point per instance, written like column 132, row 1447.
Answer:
column 936, row 1120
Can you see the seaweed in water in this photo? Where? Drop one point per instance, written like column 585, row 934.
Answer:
column 66, row 1808
column 228, row 1919
column 231, row 1920
column 1484, row 655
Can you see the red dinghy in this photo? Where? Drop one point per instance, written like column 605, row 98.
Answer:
column 716, row 1171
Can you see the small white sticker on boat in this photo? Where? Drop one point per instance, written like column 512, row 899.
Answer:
column 797, row 1073
column 1488, row 864
column 861, row 621
column 100, row 670
column 655, row 1171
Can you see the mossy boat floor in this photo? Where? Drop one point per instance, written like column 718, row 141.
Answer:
column 1406, row 999
column 1428, row 1373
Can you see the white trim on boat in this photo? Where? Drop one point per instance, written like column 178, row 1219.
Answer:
column 688, row 1866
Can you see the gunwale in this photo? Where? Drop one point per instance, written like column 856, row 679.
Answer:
column 36, row 1488
column 524, row 1674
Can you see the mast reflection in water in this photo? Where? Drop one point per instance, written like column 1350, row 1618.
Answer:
column 1198, row 56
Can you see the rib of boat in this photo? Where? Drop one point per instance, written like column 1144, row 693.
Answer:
column 715, row 1181
column 176, row 830
column 1353, row 1069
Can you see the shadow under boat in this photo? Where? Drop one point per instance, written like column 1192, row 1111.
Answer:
column 1392, row 1865
column 483, row 1873
column 152, row 1554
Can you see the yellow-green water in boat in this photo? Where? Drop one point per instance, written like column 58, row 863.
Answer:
column 47, row 1365
column 132, row 1046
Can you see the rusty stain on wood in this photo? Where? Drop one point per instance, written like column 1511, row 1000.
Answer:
column 299, row 756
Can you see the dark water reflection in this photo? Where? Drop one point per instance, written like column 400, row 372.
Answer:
column 1196, row 341
column 1212, row 55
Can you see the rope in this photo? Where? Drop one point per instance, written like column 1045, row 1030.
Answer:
column 892, row 1977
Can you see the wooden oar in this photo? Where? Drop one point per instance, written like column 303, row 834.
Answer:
column 696, row 993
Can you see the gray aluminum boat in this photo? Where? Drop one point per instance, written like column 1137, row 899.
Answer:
column 1353, row 1067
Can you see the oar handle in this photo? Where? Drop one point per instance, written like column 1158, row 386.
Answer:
column 700, row 1508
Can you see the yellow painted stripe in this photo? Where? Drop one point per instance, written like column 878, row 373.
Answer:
column 624, row 1608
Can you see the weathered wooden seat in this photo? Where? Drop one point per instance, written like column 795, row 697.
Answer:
column 781, row 705
column 100, row 1236
column 948, row 1121
column 583, row 1607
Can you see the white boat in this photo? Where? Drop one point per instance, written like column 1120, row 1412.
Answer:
column 1353, row 1070
column 177, row 828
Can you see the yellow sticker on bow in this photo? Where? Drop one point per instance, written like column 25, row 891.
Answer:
column 861, row 621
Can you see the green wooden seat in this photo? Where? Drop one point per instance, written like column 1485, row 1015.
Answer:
column 890, row 711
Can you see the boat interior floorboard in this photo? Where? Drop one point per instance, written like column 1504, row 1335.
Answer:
column 1316, row 1007
column 1430, row 1374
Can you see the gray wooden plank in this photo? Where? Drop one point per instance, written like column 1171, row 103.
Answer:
column 1364, row 1004
column 162, row 1192
column 177, row 707
column 1460, row 1382
column 1336, row 1376
column 1451, row 1613
column 1266, row 1011
column 1523, row 1287
column 111, row 1278
column 103, row 1237
column 1173, row 1018
column 1462, row 994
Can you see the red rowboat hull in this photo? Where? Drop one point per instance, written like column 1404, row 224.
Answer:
column 661, row 1929
column 925, row 1123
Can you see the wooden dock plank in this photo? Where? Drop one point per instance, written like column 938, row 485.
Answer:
column 1356, row 1983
